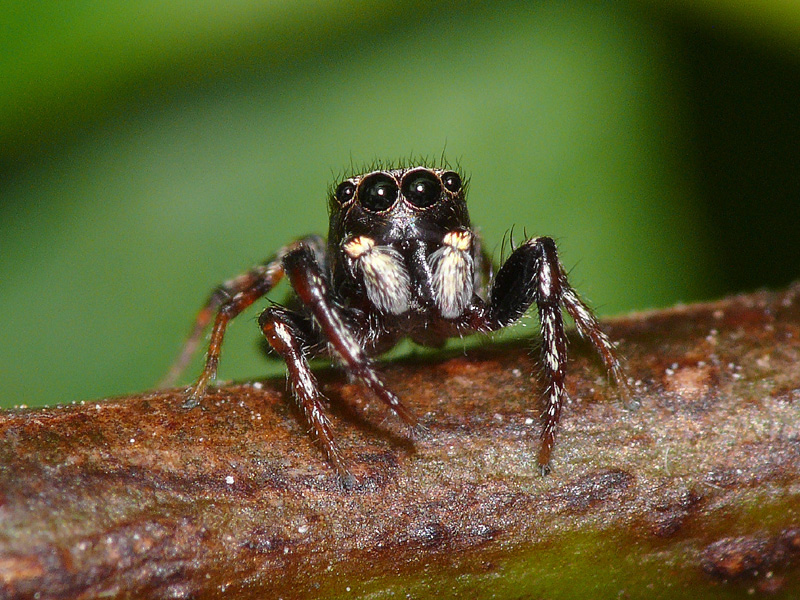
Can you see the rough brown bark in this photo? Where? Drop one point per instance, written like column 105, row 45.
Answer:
column 699, row 488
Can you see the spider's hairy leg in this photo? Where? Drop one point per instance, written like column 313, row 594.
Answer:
column 227, row 311
column 537, row 272
column 225, row 303
column 312, row 288
column 201, row 322
column 286, row 336
column 588, row 327
column 531, row 274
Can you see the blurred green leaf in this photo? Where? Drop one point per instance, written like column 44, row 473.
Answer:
column 151, row 150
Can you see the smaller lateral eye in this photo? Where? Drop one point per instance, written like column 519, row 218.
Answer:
column 452, row 181
column 345, row 192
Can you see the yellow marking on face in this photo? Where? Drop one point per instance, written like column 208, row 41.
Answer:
column 460, row 240
column 359, row 246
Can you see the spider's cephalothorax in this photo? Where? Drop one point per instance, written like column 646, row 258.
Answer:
column 401, row 261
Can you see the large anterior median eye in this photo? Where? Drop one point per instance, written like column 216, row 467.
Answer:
column 377, row 192
column 421, row 188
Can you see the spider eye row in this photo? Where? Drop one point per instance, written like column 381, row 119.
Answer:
column 378, row 192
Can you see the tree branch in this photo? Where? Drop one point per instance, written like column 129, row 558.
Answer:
column 135, row 497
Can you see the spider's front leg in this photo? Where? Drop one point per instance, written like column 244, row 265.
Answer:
column 531, row 274
column 290, row 336
column 225, row 303
column 312, row 289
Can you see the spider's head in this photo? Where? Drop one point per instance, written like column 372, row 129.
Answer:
column 396, row 204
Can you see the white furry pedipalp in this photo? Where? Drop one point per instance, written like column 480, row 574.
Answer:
column 384, row 273
column 453, row 269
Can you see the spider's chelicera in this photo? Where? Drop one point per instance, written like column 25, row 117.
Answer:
column 401, row 260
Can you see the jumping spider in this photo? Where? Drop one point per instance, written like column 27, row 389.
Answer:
column 401, row 260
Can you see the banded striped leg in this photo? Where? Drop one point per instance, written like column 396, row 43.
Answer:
column 226, row 302
column 311, row 287
column 533, row 274
column 288, row 339
column 588, row 327
column 201, row 322
column 227, row 311
column 554, row 355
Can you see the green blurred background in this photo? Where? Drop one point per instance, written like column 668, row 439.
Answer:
column 150, row 150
